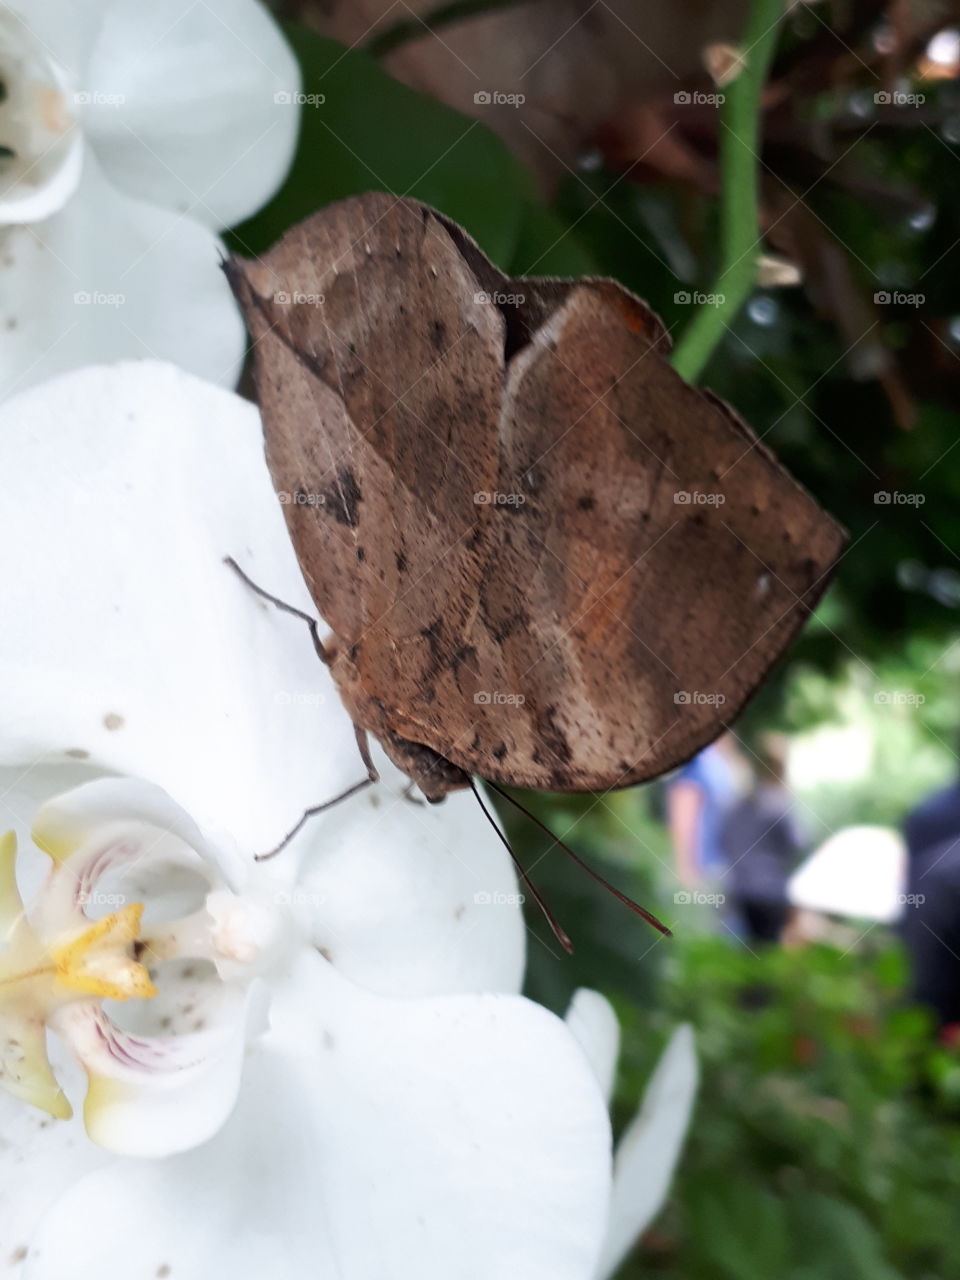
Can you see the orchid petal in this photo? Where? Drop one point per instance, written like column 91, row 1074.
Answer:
column 108, row 277
column 414, row 899
column 65, row 30
column 649, row 1149
column 143, row 654
column 40, row 1160
column 195, row 105
column 454, row 1138
column 594, row 1025
column 154, row 1095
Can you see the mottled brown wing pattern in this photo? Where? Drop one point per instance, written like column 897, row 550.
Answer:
column 487, row 501
column 657, row 565
column 378, row 403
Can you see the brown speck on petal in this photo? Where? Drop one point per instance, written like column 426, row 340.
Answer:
column 77, row 753
column 113, row 720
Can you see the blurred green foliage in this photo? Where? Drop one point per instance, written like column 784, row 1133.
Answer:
column 826, row 1141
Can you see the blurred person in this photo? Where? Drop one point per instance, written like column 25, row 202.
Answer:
column 761, row 845
column 698, row 798
column 931, row 921
column 934, row 820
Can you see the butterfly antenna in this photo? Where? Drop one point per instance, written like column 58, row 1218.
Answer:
column 556, row 928
column 595, row 875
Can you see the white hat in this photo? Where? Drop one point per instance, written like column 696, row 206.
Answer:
column 858, row 872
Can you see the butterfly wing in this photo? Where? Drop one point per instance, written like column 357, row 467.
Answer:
column 552, row 562
column 657, row 564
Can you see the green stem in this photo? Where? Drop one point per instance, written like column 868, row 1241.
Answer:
column 740, row 143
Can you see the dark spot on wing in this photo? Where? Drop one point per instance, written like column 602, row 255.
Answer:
column 554, row 749
column 343, row 498
column 586, row 503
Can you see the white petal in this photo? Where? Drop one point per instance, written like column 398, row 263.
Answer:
column 155, row 1095
column 594, row 1025
column 65, row 29
column 120, row 823
column 457, row 1138
column 109, row 277
column 125, row 636
column 649, row 1149
column 184, row 109
column 41, row 1159
column 414, row 899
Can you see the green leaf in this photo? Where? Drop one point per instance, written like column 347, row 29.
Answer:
column 368, row 132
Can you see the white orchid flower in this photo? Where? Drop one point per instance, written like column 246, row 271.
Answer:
column 650, row 1147
column 130, row 134
column 323, row 1053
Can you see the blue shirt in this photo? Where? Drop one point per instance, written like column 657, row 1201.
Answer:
column 711, row 773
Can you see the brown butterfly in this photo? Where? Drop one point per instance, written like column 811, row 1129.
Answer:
column 546, row 560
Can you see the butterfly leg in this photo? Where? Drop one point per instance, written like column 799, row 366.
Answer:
column 312, row 812
column 363, row 744
column 287, row 608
